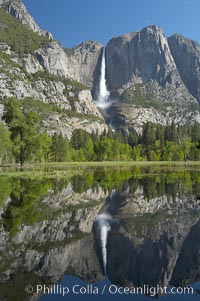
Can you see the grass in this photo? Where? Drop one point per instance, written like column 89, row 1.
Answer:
column 32, row 174
column 120, row 163
column 68, row 169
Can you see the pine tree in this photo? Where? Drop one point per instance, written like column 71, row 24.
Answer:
column 23, row 126
column 5, row 144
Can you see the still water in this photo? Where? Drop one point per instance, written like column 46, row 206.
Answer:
column 103, row 234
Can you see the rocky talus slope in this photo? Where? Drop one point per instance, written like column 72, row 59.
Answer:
column 33, row 65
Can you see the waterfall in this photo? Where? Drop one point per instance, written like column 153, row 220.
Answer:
column 103, row 91
column 104, row 235
column 104, row 227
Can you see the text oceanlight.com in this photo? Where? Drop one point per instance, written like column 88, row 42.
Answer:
column 112, row 289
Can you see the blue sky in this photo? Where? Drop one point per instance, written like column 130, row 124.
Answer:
column 74, row 21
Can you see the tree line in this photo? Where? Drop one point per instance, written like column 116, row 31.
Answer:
column 22, row 141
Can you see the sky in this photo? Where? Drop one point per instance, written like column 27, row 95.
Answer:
column 73, row 21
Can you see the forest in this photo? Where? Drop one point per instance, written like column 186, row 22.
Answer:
column 22, row 140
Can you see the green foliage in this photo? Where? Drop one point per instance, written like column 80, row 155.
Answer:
column 170, row 143
column 6, row 65
column 46, row 76
column 23, row 208
column 71, row 85
column 43, row 151
column 5, row 190
column 12, row 290
column 76, row 86
column 139, row 97
column 72, row 88
column 109, row 149
column 44, row 202
column 79, row 138
column 81, row 116
column 16, row 35
column 26, row 195
column 89, row 150
column 60, row 150
column 24, row 129
column 6, row 60
column 24, row 142
column 69, row 51
column 41, row 108
column 5, row 144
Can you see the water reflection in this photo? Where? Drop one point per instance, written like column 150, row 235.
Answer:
column 136, row 227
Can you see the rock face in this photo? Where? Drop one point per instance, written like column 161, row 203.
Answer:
column 54, row 60
column 186, row 55
column 85, row 61
column 59, row 93
column 17, row 9
column 138, row 58
column 45, row 73
column 146, row 73
column 152, row 78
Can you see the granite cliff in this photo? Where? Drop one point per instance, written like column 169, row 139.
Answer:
column 150, row 77
column 17, row 9
column 85, row 61
column 35, row 66
column 143, row 73
column 186, row 55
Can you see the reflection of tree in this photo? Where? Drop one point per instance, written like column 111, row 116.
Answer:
column 82, row 183
column 144, row 249
column 14, row 290
column 25, row 202
column 170, row 184
column 5, row 190
column 107, row 178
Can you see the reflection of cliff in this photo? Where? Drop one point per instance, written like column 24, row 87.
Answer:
column 154, row 239
column 56, row 242
column 77, row 259
column 48, row 266
column 151, row 233
column 189, row 255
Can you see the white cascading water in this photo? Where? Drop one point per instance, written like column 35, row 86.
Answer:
column 103, row 91
column 104, row 235
column 104, row 229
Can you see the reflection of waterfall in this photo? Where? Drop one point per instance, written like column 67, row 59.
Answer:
column 104, row 227
column 104, row 234
column 103, row 91
column 113, row 193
